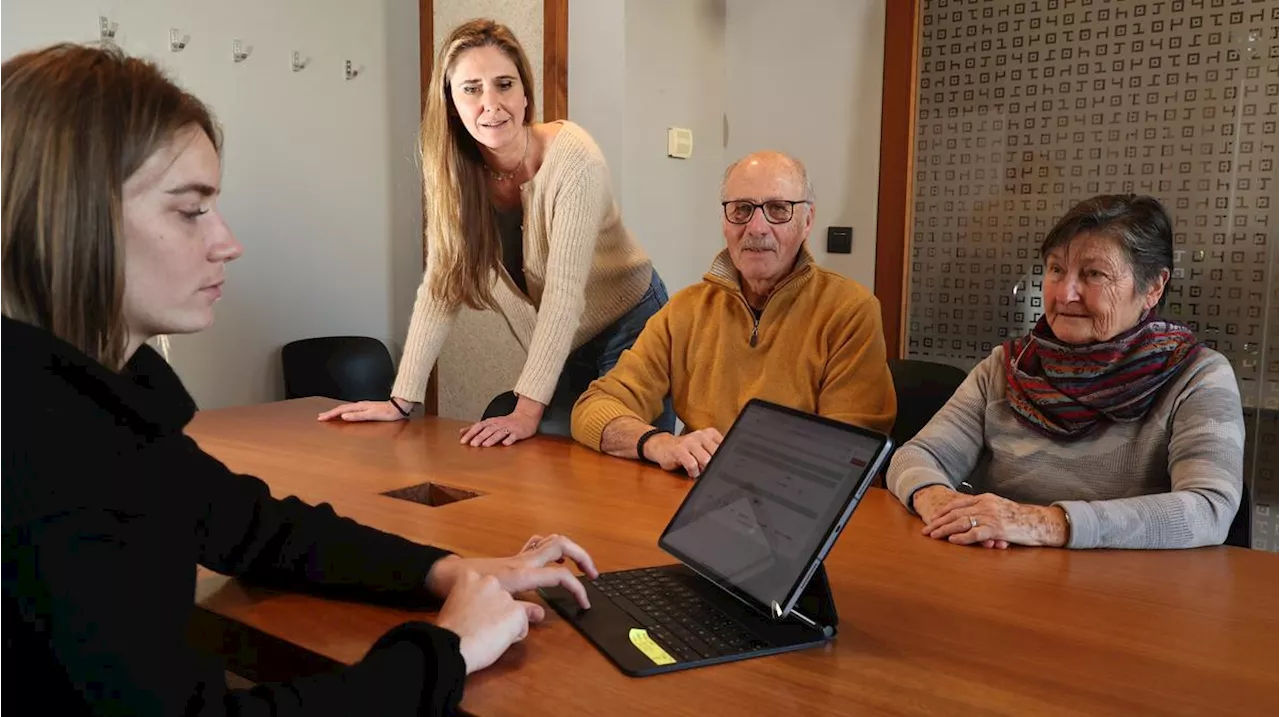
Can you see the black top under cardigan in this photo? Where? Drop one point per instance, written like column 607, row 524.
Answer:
column 108, row 507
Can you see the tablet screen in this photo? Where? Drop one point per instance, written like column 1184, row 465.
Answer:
column 769, row 500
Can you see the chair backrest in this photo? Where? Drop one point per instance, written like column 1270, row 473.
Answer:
column 501, row 405
column 1239, row 534
column 923, row 388
column 348, row 368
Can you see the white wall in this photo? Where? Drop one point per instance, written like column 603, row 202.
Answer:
column 597, row 76
column 674, row 77
column 804, row 77
column 404, row 205
column 636, row 68
column 320, row 174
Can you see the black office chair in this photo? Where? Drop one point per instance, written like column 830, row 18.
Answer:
column 923, row 388
column 348, row 368
column 1239, row 534
column 501, row 405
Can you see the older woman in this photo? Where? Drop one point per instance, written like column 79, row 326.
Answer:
column 1105, row 427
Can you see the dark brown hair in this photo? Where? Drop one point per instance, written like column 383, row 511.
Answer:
column 77, row 122
column 1139, row 224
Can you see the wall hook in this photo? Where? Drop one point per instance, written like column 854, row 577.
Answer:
column 106, row 29
column 351, row 71
column 239, row 53
column 177, row 43
column 297, row 63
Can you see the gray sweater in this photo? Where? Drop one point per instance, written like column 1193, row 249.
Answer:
column 1172, row 480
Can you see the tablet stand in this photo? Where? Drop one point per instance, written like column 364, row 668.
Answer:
column 816, row 607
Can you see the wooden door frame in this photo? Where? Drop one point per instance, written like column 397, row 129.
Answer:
column 426, row 55
column 555, row 60
column 555, row 98
column 897, row 164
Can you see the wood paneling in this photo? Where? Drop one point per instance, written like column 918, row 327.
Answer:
column 555, row 60
column 426, row 46
column 426, row 56
column 897, row 127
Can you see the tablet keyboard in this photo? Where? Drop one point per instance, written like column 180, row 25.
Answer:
column 682, row 621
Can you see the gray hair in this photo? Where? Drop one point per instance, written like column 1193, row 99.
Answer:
column 795, row 163
column 1140, row 224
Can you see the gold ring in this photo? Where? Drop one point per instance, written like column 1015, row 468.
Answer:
column 973, row 522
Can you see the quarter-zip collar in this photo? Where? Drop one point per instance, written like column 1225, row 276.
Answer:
column 725, row 275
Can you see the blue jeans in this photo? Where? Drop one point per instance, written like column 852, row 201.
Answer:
column 593, row 360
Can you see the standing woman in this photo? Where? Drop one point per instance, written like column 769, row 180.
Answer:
column 521, row 219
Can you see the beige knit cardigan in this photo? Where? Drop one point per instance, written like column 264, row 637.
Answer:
column 582, row 267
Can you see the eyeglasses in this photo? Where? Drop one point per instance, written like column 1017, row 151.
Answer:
column 776, row 211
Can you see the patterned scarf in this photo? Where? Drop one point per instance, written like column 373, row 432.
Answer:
column 1065, row 391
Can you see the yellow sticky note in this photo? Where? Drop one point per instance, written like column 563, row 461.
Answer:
column 640, row 638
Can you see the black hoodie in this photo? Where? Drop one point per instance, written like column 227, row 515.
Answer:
column 107, row 508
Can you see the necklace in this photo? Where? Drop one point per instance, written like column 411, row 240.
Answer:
column 508, row 176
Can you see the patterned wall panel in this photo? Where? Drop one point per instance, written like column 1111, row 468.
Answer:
column 1025, row 108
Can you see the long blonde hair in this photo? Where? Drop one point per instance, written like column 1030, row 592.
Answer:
column 461, row 227
column 78, row 121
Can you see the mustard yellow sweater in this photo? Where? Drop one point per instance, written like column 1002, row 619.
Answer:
column 583, row 269
column 818, row 347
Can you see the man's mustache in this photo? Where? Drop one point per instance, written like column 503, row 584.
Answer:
column 758, row 245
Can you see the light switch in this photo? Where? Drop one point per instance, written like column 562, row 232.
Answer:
column 679, row 142
column 839, row 240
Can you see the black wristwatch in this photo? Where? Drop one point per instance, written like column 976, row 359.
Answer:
column 645, row 439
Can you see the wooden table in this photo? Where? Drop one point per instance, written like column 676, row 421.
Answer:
column 926, row 628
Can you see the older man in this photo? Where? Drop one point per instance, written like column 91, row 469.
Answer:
column 765, row 321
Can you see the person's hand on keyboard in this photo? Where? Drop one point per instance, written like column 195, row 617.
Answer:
column 539, row 564
column 486, row 618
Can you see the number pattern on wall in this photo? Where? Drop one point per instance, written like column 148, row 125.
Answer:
column 1025, row 108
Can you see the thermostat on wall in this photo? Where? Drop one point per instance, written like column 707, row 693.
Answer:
column 679, row 142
